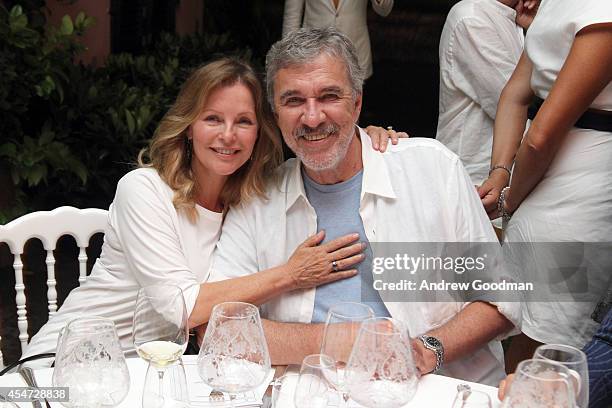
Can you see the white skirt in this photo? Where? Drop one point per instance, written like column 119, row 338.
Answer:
column 572, row 203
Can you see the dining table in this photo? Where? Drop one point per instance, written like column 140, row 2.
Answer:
column 433, row 390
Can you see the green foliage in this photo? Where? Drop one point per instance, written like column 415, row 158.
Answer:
column 68, row 132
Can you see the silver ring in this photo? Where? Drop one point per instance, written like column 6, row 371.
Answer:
column 389, row 127
column 334, row 266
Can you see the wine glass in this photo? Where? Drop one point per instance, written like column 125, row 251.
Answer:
column 160, row 334
column 575, row 360
column 234, row 355
column 313, row 390
column 541, row 383
column 89, row 361
column 381, row 372
column 341, row 329
column 468, row 398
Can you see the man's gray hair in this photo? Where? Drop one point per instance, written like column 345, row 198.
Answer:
column 302, row 46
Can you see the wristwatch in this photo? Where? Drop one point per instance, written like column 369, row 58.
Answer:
column 435, row 345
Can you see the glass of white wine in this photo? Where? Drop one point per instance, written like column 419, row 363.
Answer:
column 160, row 333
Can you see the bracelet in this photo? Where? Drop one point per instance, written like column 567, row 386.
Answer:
column 505, row 214
column 500, row 166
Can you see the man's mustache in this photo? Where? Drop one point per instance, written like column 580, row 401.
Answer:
column 326, row 129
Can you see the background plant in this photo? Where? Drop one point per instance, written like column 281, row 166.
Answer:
column 70, row 131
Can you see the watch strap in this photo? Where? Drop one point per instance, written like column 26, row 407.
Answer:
column 435, row 345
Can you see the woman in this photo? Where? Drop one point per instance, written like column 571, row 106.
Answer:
column 560, row 189
column 214, row 148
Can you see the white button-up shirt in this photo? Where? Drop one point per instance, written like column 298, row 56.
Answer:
column 417, row 191
column 480, row 46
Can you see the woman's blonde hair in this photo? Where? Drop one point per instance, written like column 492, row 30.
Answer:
column 168, row 150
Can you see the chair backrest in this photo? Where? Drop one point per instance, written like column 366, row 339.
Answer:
column 49, row 226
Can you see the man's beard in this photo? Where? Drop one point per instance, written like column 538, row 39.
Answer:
column 334, row 156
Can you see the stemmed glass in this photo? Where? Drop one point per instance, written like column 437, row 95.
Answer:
column 341, row 329
column 381, row 372
column 234, row 355
column 541, row 383
column 313, row 389
column 283, row 391
column 575, row 360
column 160, row 334
column 89, row 361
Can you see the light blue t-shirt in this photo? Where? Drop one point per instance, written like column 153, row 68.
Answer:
column 337, row 208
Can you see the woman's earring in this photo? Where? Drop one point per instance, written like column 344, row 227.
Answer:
column 188, row 149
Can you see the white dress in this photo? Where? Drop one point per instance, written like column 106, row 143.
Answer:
column 146, row 241
column 573, row 201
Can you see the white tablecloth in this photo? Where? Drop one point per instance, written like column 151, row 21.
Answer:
column 433, row 391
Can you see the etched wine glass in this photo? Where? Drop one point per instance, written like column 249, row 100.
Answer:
column 234, row 354
column 89, row 361
column 381, row 372
column 341, row 329
column 575, row 360
column 541, row 383
column 160, row 334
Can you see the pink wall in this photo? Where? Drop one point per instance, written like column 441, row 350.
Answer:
column 189, row 17
column 97, row 37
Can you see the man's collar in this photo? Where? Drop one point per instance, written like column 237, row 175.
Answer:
column 376, row 178
column 375, row 174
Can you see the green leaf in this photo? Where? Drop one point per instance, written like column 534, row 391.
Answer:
column 60, row 91
column 36, row 173
column 15, row 176
column 45, row 138
column 66, row 28
column 19, row 23
column 8, row 149
column 80, row 18
column 130, row 121
column 79, row 169
column 89, row 21
column 92, row 93
column 16, row 11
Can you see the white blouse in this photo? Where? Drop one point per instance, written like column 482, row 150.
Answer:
column 551, row 36
column 146, row 241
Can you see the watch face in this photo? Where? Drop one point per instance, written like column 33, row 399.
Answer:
column 433, row 342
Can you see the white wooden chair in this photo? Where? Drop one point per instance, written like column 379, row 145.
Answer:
column 48, row 227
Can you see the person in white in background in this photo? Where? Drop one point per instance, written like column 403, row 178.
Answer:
column 481, row 43
column 348, row 16
column 560, row 190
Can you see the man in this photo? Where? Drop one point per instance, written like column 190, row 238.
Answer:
column 481, row 43
column 338, row 183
